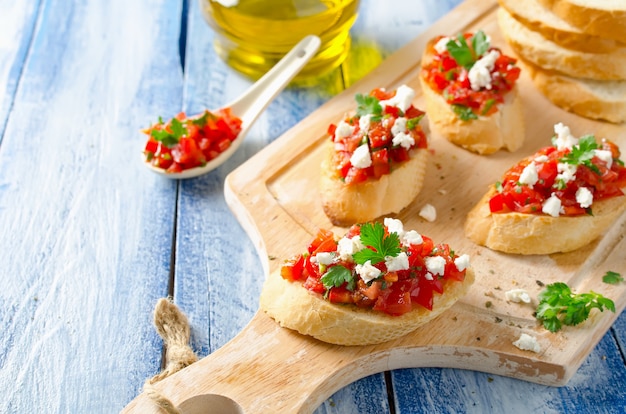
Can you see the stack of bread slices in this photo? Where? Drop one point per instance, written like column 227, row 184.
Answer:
column 575, row 52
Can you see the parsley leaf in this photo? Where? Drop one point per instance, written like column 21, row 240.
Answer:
column 612, row 278
column 169, row 139
column 368, row 105
column 463, row 54
column 464, row 113
column 337, row 276
column 204, row 119
column 582, row 153
column 379, row 245
column 559, row 306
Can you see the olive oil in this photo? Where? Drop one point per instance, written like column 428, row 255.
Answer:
column 253, row 35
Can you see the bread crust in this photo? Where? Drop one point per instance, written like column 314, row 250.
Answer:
column 602, row 18
column 533, row 47
column 295, row 307
column 602, row 100
column 534, row 15
column 358, row 203
column 537, row 233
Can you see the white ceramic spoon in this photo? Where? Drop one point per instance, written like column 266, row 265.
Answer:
column 254, row 101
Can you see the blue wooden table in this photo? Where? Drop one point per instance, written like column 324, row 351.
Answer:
column 91, row 239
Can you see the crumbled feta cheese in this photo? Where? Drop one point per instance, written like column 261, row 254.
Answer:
column 480, row 74
column 566, row 172
column 343, row 130
column 394, row 226
column 347, row 247
column 552, row 206
column 541, row 158
column 428, row 213
column 440, row 46
column 367, row 271
column 605, row 156
column 325, row 258
column 529, row 175
column 403, row 98
column 584, row 197
column 364, row 122
column 436, row 265
column 400, row 262
column 564, row 138
column 412, row 237
column 361, row 157
column 462, row 262
column 404, row 140
column 517, row 296
column 399, row 126
column 527, row 343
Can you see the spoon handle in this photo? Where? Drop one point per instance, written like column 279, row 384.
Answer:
column 250, row 105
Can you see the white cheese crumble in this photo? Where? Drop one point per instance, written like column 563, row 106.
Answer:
column 403, row 98
column 529, row 175
column 480, row 74
column 399, row 126
column 564, row 138
column 361, row 157
column 367, row 271
column 440, row 46
column 517, row 296
column 364, row 123
column 428, row 213
column 436, row 265
column 584, row 197
column 399, row 262
column 527, row 343
column 348, row 246
column 394, row 226
column 552, row 206
column 566, row 172
column 605, row 156
column 462, row 262
column 404, row 140
column 541, row 158
column 325, row 258
column 343, row 130
column 412, row 237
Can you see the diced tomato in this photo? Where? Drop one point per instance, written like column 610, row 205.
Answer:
column 292, row 269
column 380, row 162
column 339, row 295
column 323, row 240
column 356, row 175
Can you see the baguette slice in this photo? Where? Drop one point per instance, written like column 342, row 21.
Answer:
column 602, row 100
column 357, row 203
column 485, row 135
column 294, row 307
column 604, row 18
column 536, row 49
column 539, row 234
column 534, row 15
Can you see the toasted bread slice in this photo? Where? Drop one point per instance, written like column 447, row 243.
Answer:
column 294, row 307
column 539, row 234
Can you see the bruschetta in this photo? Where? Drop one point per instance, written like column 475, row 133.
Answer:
column 375, row 159
column 471, row 93
column 557, row 200
column 376, row 283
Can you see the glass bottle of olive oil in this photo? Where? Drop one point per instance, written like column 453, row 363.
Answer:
column 253, row 35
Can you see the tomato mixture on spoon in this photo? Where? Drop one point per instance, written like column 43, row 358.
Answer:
column 564, row 179
column 184, row 143
column 377, row 266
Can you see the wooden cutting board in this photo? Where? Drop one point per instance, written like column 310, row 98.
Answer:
column 275, row 197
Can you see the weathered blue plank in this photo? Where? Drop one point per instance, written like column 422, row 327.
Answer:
column 86, row 230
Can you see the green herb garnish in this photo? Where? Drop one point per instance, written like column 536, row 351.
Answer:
column 337, row 276
column 379, row 245
column 204, row 119
column 559, row 306
column 488, row 105
column 582, row 153
column 413, row 122
column 463, row 54
column 169, row 139
column 464, row 113
column 612, row 278
column 368, row 105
